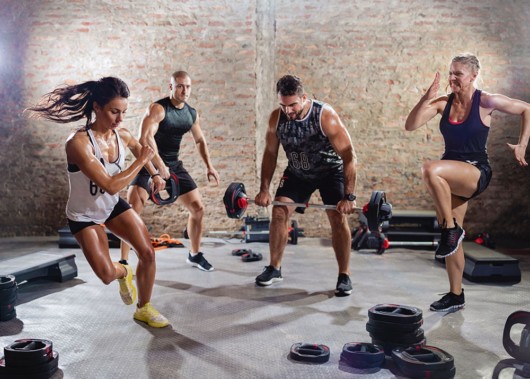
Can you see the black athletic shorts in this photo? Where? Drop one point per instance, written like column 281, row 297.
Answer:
column 120, row 207
column 331, row 188
column 483, row 180
column 186, row 182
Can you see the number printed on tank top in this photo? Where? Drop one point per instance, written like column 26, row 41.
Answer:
column 94, row 189
column 300, row 161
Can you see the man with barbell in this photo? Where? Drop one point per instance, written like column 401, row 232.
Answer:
column 320, row 156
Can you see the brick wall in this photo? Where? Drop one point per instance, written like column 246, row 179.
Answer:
column 371, row 60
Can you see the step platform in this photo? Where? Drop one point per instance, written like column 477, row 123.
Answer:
column 68, row 241
column 58, row 267
column 412, row 229
column 486, row 265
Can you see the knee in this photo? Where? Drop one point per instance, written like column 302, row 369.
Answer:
column 428, row 171
column 146, row 255
column 339, row 223
column 279, row 214
column 197, row 209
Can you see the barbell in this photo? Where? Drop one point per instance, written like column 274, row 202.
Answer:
column 376, row 211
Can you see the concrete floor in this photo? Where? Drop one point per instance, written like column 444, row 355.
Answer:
column 223, row 326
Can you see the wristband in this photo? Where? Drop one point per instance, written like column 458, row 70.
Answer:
column 157, row 174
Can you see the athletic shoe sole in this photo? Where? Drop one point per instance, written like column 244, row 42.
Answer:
column 269, row 282
column 198, row 266
column 448, row 309
column 127, row 288
column 340, row 293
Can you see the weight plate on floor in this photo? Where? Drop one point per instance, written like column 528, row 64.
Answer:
column 407, row 338
column 7, row 281
column 28, row 352
column 403, row 314
column 363, row 355
column 419, row 361
column 44, row 370
column 395, row 327
column 309, row 352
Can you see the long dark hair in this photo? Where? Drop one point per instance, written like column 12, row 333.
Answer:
column 71, row 103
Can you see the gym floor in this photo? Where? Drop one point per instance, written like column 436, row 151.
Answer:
column 223, row 326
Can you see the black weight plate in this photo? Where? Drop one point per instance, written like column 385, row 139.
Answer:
column 7, row 293
column 309, row 352
column 9, row 299
column 403, row 314
column 389, row 346
column 519, row 352
column 394, row 327
column 28, row 352
column 401, row 338
column 42, row 371
column 412, row 360
column 5, row 309
column 7, row 281
column 251, row 257
column 8, row 316
column 363, row 355
column 240, row 252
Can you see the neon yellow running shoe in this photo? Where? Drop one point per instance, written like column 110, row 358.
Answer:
column 150, row 316
column 127, row 288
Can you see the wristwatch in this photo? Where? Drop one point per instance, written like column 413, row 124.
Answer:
column 350, row 197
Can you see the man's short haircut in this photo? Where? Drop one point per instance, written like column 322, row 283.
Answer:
column 180, row 74
column 290, row 85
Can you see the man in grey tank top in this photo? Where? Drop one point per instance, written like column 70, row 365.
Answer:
column 320, row 156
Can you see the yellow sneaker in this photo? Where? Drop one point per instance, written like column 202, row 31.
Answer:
column 127, row 288
column 150, row 316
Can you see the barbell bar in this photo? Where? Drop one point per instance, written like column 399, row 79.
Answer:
column 376, row 211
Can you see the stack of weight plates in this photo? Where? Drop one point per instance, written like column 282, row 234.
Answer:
column 29, row 358
column 8, row 297
column 392, row 326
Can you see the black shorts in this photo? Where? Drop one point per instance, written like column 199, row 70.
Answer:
column 120, row 207
column 483, row 180
column 331, row 188
column 186, row 182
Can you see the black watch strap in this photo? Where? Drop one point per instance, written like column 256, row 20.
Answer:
column 350, row 197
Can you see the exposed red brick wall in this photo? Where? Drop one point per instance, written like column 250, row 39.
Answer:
column 371, row 60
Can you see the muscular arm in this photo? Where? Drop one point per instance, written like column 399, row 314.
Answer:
column 136, row 148
column 507, row 105
column 269, row 160
column 79, row 152
column 152, row 117
column 270, row 154
column 202, row 148
column 340, row 139
column 428, row 107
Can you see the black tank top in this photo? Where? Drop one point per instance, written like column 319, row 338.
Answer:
column 310, row 154
column 175, row 124
column 465, row 141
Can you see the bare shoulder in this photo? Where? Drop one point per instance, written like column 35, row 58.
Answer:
column 440, row 102
column 77, row 144
column 155, row 112
column 125, row 134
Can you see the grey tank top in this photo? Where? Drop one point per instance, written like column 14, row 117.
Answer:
column 309, row 152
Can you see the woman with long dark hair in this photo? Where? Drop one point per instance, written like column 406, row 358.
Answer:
column 96, row 171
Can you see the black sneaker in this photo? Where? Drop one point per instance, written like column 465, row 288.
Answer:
column 451, row 239
column 344, row 287
column 199, row 261
column 269, row 275
column 449, row 302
